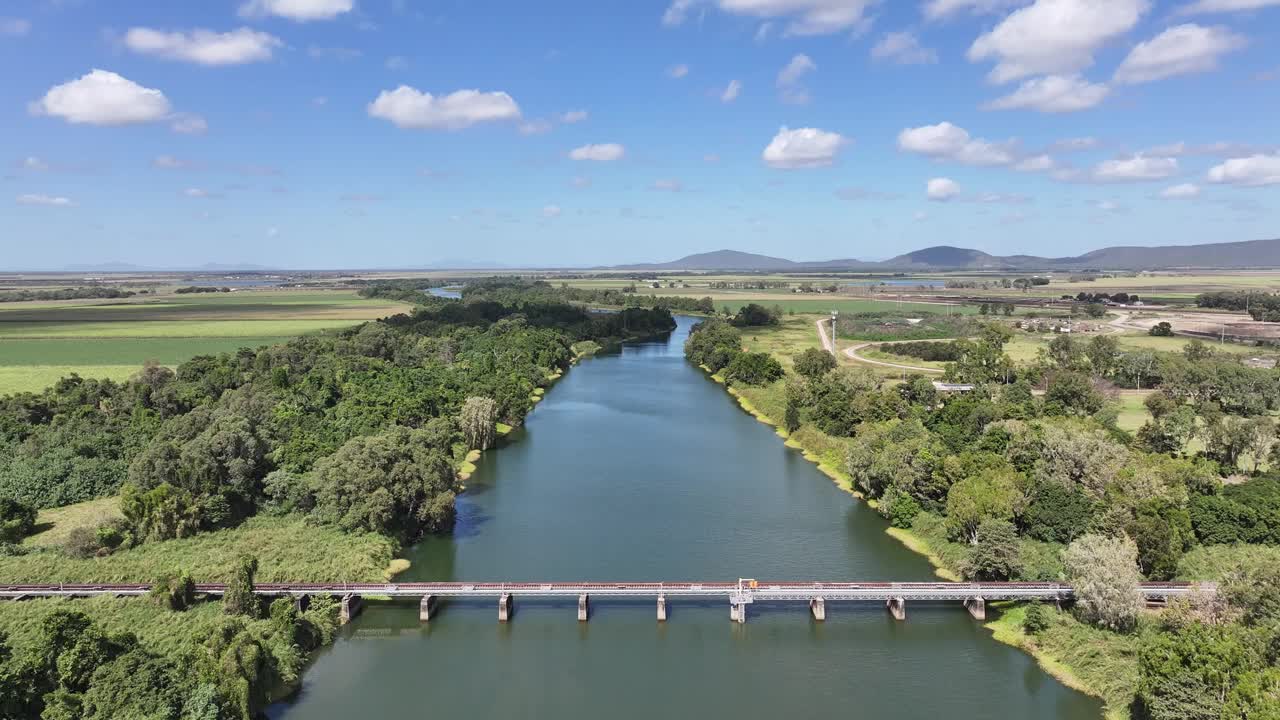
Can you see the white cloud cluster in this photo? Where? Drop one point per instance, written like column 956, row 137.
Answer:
column 788, row 83
column 169, row 162
column 1135, row 168
column 1252, row 171
column 551, row 212
column 44, row 200
column 411, row 109
column 946, row 141
column 1222, row 6
column 204, row 47
column 103, row 98
column 188, row 124
column 1054, row 37
column 803, row 148
column 668, row 185
column 1181, row 192
column 574, row 116
column 1053, row 94
column 604, row 152
column 805, row 17
column 903, row 48
column 1179, row 50
column 942, row 189
column 297, row 10
column 677, row 71
column 34, row 164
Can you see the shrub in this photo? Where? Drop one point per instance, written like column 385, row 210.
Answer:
column 814, row 363
column 16, row 520
column 1038, row 619
column 754, row 368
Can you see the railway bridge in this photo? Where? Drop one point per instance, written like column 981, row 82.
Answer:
column 740, row 594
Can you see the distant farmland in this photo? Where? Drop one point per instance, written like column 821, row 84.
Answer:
column 40, row 343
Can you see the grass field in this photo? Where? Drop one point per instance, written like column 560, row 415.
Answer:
column 40, row 343
column 288, row 550
column 54, row 525
column 796, row 334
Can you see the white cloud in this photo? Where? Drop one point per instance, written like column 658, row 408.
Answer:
column 1075, row 144
column 273, row 232
column 169, row 162
column 942, row 189
column 14, row 27
column 44, row 200
column 1135, row 168
column 803, row 148
column 677, row 71
column 574, row 116
column 806, row 17
column 200, row 194
column 552, row 211
column 789, row 77
column 297, row 10
column 534, row 127
column 103, row 98
column 1108, row 206
column 411, row 109
column 1222, row 6
column 1053, row 94
column 1183, row 191
column 668, row 185
column 1222, row 149
column 204, row 47
column 1253, row 171
column 943, row 9
column 1053, row 37
column 946, row 141
column 34, row 164
column 188, row 124
column 1035, row 163
column 1179, row 50
column 731, row 92
column 903, row 48
column 606, row 152
column 320, row 101
column 676, row 13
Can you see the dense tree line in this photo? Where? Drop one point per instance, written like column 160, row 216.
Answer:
column 412, row 291
column 360, row 429
column 1122, row 298
column 717, row 346
column 1261, row 306
column 928, row 351
column 201, row 289
column 77, row 293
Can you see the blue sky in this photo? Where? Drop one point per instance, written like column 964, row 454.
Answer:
column 399, row 133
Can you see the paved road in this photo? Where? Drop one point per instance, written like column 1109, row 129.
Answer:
column 852, row 353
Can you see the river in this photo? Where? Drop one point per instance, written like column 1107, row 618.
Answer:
column 637, row 467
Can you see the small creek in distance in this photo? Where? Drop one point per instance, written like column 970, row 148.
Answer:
column 637, row 467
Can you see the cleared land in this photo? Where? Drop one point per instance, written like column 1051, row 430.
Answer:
column 42, row 342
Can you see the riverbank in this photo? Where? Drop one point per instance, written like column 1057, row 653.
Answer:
column 1083, row 658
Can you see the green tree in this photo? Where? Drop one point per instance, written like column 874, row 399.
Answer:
column 753, row 368
column 16, row 520
column 1161, row 329
column 392, row 483
column 1056, row 512
column 990, row 495
column 1072, row 393
column 994, row 554
column 239, row 598
column 1103, row 571
column 1103, row 352
column 814, row 363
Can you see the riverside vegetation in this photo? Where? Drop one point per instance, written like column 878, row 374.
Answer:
column 316, row 459
column 1029, row 478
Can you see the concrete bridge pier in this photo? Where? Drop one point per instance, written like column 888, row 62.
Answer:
column 737, row 611
column 301, row 602
column 818, row 606
column 584, row 607
column 977, row 607
column 504, row 607
column 351, row 607
column 424, row 608
column 897, row 607
column 662, row 608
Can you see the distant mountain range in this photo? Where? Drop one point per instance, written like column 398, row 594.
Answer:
column 1235, row 255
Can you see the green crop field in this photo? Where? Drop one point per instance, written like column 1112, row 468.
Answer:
column 40, row 343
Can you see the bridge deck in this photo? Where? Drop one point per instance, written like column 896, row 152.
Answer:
column 738, row 591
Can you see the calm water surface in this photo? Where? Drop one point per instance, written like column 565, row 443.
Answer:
column 637, row 467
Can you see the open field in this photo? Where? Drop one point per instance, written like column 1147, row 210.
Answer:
column 288, row 550
column 54, row 525
column 42, row 342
